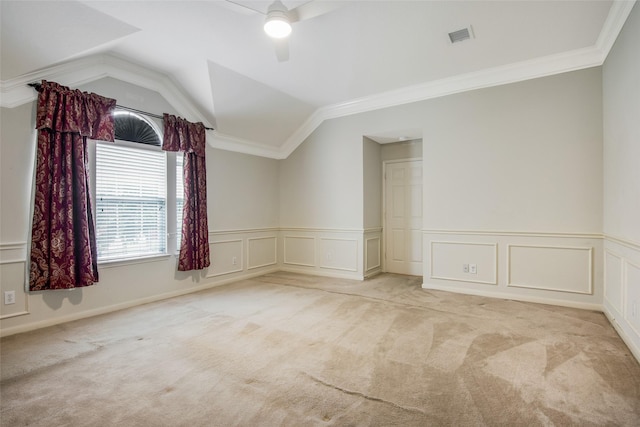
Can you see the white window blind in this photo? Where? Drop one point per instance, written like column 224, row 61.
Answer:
column 179, row 198
column 131, row 202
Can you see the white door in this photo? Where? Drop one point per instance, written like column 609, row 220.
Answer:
column 403, row 217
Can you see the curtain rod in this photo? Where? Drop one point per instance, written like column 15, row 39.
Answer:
column 37, row 87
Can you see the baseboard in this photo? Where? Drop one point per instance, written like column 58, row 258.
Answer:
column 117, row 307
column 373, row 272
column 352, row 276
column 515, row 297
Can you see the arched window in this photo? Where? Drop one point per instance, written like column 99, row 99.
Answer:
column 136, row 128
column 132, row 187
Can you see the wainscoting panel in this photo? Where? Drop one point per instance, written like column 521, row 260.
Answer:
column 613, row 280
column 372, row 254
column 632, row 287
column 13, row 260
column 262, row 252
column 13, row 252
column 622, row 289
column 339, row 254
column 448, row 259
column 329, row 252
column 552, row 268
column 300, row 250
column 226, row 257
column 12, row 278
column 243, row 253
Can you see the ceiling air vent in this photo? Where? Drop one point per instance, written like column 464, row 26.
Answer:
column 461, row 35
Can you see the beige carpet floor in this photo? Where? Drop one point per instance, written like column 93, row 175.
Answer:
column 293, row 350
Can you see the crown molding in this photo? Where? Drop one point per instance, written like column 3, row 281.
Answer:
column 618, row 14
column 15, row 92
column 231, row 143
column 511, row 73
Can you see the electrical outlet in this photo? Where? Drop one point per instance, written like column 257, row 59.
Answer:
column 234, row 260
column 329, row 256
column 473, row 269
column 465, row 268
column 9, row 297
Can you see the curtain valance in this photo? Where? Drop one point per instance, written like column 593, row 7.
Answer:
column 66, row 110
column 184, row 136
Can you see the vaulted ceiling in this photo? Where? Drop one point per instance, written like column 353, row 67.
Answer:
column 354, row 56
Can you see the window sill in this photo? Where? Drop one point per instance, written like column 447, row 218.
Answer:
column 132, row 261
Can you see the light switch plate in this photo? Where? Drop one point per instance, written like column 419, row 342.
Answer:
column 9, row 297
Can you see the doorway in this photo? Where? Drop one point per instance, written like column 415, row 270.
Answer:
column 403, row 216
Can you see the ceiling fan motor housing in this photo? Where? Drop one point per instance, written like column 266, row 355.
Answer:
column 278, row 23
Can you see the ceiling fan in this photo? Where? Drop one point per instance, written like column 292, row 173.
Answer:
column 279, row 19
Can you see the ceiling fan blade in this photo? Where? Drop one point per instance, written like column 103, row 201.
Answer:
column 240, row 8
column 282, row 49
column 313, row 8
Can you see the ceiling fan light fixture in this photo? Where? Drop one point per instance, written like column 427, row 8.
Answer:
column 277, row 24
column 277, row 27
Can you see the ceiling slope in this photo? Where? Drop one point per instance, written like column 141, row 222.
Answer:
column 252, row 110
column 215, row 65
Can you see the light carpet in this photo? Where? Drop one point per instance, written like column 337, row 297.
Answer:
column 294, row 350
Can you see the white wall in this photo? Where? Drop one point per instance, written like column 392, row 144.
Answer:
column 17, row 151
column 242, row 193
column 621, row 88
column 372, row 206
column 322, row 190
column 321, row 204
column 518, row 157
column 372, row 181
column 510, row 173
column 513, row 184
column 621, row 99
column 524, row 156
column 321, row 181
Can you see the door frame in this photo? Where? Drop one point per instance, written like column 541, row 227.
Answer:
column 384, row 205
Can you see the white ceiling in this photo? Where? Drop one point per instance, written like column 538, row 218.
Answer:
column 218, row 55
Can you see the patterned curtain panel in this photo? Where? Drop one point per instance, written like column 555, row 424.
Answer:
column 63, row 244
column 189, row 138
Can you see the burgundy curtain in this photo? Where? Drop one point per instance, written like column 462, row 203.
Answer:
column 189, row 138
column 63, row 244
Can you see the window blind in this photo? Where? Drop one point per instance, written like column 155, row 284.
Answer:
column 130, row 202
